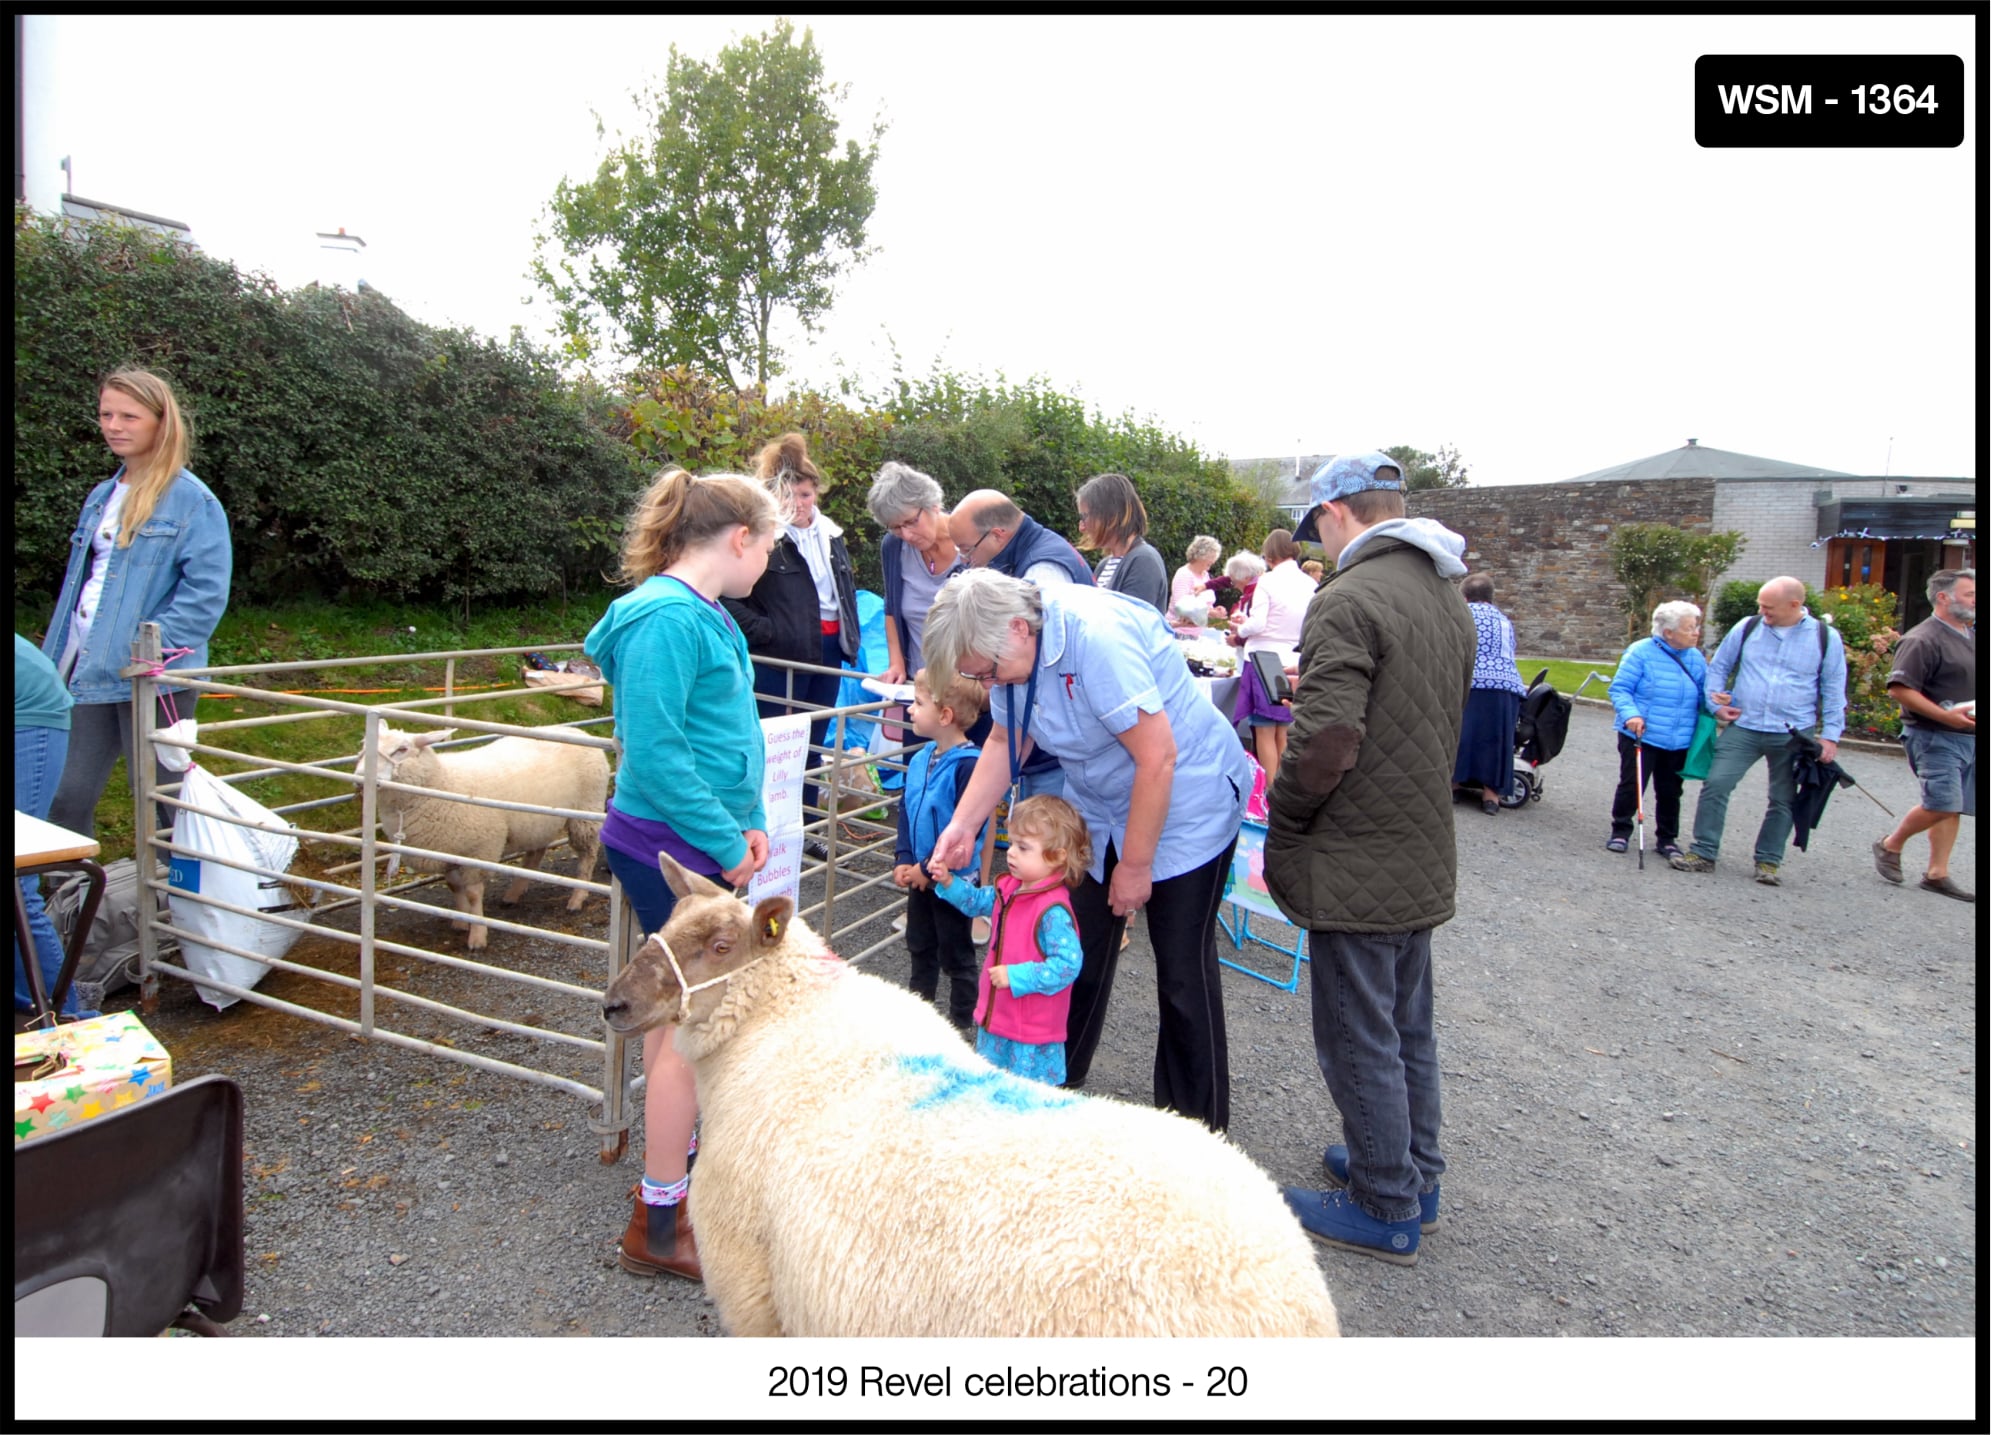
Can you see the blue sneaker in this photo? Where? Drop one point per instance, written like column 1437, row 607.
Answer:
column 1427, row 1201
column 1332, row 1216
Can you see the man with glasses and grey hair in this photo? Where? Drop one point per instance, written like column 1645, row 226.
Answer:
column 1936, row 678
column 990, row 531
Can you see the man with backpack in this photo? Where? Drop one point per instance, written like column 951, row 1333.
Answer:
column 1780, row 673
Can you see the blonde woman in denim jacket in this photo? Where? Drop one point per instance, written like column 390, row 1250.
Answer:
column 152, row 545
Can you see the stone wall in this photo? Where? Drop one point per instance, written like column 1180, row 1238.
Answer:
column 1547, row 546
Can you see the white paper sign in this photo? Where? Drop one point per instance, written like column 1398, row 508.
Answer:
column 786, row 740
column 780, row 876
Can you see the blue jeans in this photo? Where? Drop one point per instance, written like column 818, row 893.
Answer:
column 1737, row 749
column 39, row 753
column 1371, row 1007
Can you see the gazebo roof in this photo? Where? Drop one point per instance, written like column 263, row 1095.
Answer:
column 1691, row 460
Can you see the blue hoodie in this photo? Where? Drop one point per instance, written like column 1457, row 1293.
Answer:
column 692, row 751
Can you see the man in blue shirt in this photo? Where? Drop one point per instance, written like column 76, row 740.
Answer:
column 1770, row 678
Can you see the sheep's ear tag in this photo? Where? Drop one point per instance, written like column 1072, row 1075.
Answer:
column 770, row 919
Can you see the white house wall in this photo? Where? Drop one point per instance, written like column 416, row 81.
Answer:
column 1779, row 518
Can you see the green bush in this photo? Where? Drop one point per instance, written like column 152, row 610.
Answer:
column 1865, row 618
column 352, row 447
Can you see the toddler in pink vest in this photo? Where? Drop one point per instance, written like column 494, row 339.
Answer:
column 1022, row 1017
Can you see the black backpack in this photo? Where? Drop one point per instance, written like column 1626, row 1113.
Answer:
column 1543, row 726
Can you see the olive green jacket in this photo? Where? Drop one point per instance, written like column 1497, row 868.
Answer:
column 1361, row 825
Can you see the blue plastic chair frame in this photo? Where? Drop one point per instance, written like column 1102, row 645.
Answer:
column 1241, row 933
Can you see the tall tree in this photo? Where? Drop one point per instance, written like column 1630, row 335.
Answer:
column 742, row 202
column 1421, row 470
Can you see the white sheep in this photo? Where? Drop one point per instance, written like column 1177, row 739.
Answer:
column 510, row 769
column 863, row 1173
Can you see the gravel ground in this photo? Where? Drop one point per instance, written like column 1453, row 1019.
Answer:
column 1674, row 1105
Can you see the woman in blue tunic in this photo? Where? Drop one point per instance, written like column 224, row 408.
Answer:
column 1486, row 741
column 1157, row 774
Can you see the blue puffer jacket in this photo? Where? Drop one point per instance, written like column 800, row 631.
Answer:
column 1661, row 684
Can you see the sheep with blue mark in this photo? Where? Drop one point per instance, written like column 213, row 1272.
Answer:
column 863, row 1174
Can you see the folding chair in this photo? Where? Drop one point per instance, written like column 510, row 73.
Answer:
column 122, row 1223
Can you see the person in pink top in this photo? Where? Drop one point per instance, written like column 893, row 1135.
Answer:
column 1276, row 613
column 1022, row 1018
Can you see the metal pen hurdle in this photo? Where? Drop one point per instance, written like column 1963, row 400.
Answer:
column 856, row 837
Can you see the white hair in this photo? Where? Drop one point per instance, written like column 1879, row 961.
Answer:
column 1202, row 547
column 1244, row 566
column 971, row 615
column 900, row 492
column 1671, row 614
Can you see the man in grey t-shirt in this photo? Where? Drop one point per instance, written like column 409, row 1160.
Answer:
column 1935, row 678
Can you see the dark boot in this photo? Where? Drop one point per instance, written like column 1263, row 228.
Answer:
column 657, row 1239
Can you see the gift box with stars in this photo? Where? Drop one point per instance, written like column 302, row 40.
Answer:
column 81, row 1071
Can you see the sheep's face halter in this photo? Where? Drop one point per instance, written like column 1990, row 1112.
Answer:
column 680, row 977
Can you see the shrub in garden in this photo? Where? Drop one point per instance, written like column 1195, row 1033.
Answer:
column 352, row 446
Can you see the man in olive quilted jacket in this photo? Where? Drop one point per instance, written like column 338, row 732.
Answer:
column 1362, row 852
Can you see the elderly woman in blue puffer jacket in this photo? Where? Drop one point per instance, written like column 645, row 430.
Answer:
column 1655, row 697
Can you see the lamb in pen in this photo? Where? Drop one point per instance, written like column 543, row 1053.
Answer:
column 509, row 769
column 863, row 1173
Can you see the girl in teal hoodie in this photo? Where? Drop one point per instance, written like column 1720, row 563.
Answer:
column 690, row 772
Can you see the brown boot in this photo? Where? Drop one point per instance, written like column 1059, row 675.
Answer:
column 657, row 1239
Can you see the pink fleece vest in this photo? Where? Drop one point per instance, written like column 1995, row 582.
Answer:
column 1037, row 1018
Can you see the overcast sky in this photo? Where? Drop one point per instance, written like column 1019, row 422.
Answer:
column 1273, row 235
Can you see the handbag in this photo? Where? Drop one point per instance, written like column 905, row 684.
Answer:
column 1701, row 750
column 1270, row 671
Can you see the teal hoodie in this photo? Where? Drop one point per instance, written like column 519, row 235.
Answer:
column 686, row 719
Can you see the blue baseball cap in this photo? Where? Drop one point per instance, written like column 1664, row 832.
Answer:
column 1341, row 477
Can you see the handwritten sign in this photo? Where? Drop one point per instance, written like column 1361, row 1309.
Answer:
column 786, row 743
column 779, row 877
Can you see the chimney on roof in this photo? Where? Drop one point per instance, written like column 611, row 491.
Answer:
column 1691, row 443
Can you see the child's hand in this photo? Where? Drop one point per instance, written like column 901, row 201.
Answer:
column 1000, row 977
column 940, row 872
column 905, row 874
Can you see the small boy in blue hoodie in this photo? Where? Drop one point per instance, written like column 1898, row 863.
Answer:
column 939, row 935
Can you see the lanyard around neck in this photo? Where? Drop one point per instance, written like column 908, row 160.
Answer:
column 1013, row 754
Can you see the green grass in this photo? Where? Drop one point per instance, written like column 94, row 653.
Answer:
column 305, row 632
column 1567, row 675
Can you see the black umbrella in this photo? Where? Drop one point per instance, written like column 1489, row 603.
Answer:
column 1816, row 781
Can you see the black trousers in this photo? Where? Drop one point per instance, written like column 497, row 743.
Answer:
column 1663, row 771
column 1191, row 1058
column 940, row 938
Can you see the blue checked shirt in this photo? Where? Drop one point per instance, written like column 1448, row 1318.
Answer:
column 1781, row 682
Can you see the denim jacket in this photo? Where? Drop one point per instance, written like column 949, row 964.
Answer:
column 176, row 574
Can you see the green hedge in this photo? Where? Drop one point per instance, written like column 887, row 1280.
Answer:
column 361, row 453
column 350, row 445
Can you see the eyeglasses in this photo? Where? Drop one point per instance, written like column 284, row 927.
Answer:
column 899, row 529
column 991, row 675
column 969, row 552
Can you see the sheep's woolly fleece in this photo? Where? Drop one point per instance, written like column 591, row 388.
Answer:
column 864, row 1174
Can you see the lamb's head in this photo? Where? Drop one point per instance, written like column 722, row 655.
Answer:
column 681, row 972
column 406, row 756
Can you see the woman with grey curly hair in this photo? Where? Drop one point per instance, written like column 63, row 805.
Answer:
column 1157, row 774
column 917, row 557
column 1191, row 596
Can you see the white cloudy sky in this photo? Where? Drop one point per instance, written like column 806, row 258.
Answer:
column 1272, row 234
